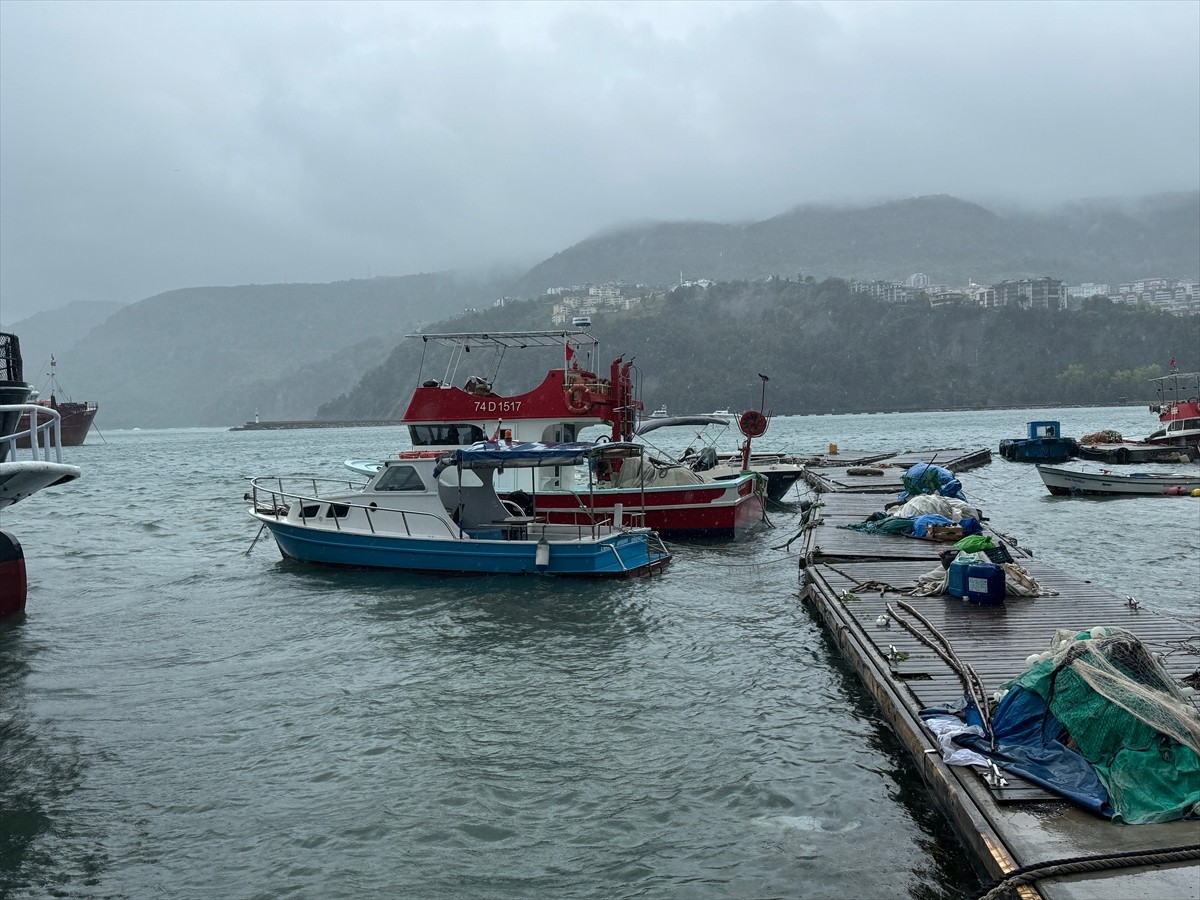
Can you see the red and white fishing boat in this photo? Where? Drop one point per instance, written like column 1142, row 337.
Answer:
column 1177, row 402
column 571, row 398
column 75, row 417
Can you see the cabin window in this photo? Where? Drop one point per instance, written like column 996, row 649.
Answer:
column 559, row 433
column 470, row 478
column 455, row 435
column 400, row 478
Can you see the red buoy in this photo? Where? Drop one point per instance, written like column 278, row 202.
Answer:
column 12, row 576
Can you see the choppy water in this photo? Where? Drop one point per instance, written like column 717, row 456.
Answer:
column 181, row 719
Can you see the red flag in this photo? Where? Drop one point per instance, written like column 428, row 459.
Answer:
column 570, row 353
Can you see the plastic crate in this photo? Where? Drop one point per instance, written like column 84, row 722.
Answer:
column 999, row 554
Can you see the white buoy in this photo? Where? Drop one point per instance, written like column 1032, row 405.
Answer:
column 541, row 557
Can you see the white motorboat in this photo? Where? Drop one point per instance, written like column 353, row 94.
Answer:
column 439, row 512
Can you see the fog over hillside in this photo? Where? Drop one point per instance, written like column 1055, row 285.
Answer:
column 150, row 147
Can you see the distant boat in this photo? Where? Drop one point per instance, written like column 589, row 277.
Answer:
column 75, row 416
column 660, row 413
column 724, row 413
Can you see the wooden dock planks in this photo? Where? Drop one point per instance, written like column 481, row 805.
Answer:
column 849, row 577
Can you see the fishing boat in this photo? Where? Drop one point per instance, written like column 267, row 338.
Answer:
column 1061, row 480
column 780, row 470
column 660, row 413
column 571, row 399
column 23, row 474
column 75, row 416
column 1044, row 444
column 440, row 512
column 1177, row 403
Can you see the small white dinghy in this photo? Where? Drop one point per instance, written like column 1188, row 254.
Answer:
column 1061, row 480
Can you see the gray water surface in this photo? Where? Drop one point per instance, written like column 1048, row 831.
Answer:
column 181, row 719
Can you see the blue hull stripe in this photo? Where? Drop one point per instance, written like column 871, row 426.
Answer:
column 620, row 555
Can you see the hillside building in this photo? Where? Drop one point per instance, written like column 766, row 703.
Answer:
column 1031, row 293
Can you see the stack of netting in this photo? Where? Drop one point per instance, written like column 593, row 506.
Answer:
column 1124, row 714
column 1107, row 436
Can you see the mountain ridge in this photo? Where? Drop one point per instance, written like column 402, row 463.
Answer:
column 213, row 355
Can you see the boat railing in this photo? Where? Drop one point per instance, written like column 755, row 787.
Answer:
column 44, row 432
column 272, row 497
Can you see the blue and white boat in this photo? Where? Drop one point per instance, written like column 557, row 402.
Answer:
column 441, row 513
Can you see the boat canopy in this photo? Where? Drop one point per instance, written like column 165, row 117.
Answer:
column 651, row 424
column 496, row 455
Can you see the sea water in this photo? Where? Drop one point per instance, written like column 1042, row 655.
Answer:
column 182, row 718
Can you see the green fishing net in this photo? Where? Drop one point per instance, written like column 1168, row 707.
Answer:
column 1128, row 718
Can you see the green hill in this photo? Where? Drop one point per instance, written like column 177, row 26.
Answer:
column 829, row 350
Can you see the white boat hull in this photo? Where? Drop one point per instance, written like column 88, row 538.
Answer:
column 1064, row 481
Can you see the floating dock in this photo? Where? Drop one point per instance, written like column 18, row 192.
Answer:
column 849, row 577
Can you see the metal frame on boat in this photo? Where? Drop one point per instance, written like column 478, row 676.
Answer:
column 441, row 513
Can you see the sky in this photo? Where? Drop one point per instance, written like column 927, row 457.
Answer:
column 151, row 146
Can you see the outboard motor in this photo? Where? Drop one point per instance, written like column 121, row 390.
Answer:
column 708, row 459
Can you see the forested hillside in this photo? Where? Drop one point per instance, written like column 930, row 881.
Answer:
column 826, row 349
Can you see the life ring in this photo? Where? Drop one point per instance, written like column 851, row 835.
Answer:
column 1122, row 455
column 576, row 401
column 752, row 423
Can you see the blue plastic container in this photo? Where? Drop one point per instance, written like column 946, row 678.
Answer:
column 956, row 577
column 984, row 583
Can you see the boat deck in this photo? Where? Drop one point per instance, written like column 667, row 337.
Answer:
column 849, row 577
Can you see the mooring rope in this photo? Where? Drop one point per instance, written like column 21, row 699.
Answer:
column 1101, row 862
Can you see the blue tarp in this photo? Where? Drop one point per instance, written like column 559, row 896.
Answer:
column 1028, row 743
column 921, row 523
column 926, row 479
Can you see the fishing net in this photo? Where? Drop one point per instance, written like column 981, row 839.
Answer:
column 1106, row 436
column 881, row 523
column 1126, row 716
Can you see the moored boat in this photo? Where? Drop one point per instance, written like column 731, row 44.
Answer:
column 570, row 399
column 1062, row 480
column 780, row 470
column 75, row 416
column 1177, row 402
column 441, row 513
column 1045, row 444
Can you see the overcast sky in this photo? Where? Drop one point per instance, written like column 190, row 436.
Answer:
column 149, row 146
